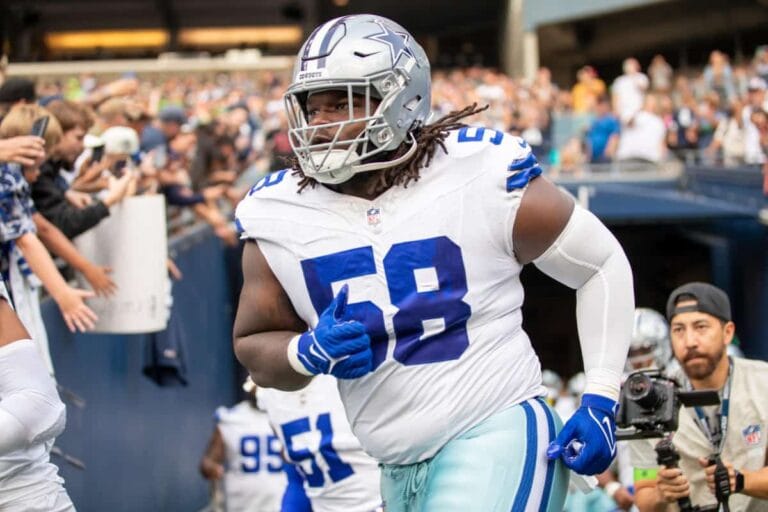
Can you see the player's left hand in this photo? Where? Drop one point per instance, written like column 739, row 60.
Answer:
column 587, row 443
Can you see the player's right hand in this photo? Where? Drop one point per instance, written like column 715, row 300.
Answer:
column 336, row 346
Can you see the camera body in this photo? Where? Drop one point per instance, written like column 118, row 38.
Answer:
column 649, row 403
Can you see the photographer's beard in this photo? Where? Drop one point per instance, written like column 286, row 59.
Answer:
column 699, row 366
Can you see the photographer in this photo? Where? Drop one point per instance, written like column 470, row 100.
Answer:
column 700, row 331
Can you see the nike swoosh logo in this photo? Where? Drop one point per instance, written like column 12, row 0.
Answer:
column 364, row 55
column 607, row 434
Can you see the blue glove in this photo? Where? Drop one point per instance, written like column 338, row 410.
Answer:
column 587, row 443
column 336, row 346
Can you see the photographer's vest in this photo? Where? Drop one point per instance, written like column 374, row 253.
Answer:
column 745, row 437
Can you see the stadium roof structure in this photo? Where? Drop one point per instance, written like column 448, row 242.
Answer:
column 174, row 25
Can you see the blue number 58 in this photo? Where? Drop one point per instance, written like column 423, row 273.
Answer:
column 431, row 322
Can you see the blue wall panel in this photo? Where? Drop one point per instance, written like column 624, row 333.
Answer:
column 141, row 443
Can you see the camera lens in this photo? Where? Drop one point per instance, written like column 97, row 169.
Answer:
column 640, row 389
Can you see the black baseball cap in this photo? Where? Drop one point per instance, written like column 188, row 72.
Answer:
column 709, row 299
column 16, row 89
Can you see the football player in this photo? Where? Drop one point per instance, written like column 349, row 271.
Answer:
column 31, row 416
column 244, row 458
column 389, row 257
column 319, row 444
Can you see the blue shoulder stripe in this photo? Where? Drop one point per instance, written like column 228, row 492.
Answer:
column 521, row 179
column 523, row 163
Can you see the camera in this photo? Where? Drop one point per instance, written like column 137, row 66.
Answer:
column 649, row 404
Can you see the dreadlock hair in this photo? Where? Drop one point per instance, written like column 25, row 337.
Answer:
column 428, row 139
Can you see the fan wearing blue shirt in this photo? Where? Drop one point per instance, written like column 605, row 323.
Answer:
column 603, row 134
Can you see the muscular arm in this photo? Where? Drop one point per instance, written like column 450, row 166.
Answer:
column 543, row 214
column 572, row 246
column 265, row 324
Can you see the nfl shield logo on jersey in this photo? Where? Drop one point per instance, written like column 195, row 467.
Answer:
column 752, row 435
column 374, row 216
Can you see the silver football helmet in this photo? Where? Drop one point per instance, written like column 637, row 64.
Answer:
column 650, row 346
column 577, row 384
column 554, row 384
column 364, row 55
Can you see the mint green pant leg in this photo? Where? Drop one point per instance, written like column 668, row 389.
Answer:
column 499, row 465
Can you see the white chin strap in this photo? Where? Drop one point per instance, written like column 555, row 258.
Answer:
column 333, row 169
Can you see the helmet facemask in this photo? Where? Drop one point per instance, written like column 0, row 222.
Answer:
column 364, row 56
column 338, row 159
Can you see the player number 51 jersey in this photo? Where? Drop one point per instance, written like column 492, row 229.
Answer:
column 313, row 427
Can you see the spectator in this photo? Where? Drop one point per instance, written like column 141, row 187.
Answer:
column 701, row 329
column 157, row 136
column 683, row 134
column 660, row 73
column 628, row 90
column 23, row 258
column 756, row 97
column 588, row 87
column 16, row 91
column 760, row 120
column 71, row 211
column 113, row 112
column 708, row 117
column 543, row 87
column 718, row 77
column 729, row 137
column 760, row 62
column 603, row 135
column 643, row 138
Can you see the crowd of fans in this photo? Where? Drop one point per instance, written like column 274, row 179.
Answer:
column 202, row 141
column 71, row 152
column 712, row 116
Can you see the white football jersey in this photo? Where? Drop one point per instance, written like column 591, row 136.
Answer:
column 28, row 474
column 254, row 480
column 312, row 425
column 433, row 276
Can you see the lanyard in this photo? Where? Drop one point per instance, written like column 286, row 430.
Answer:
column 701, row 418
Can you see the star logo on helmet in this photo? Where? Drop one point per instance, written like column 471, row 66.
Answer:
column 397, row 42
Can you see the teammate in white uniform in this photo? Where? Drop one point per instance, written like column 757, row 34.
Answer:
column 31, row 415
column 245, row 456
column 338, row 475
column 389, row 257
